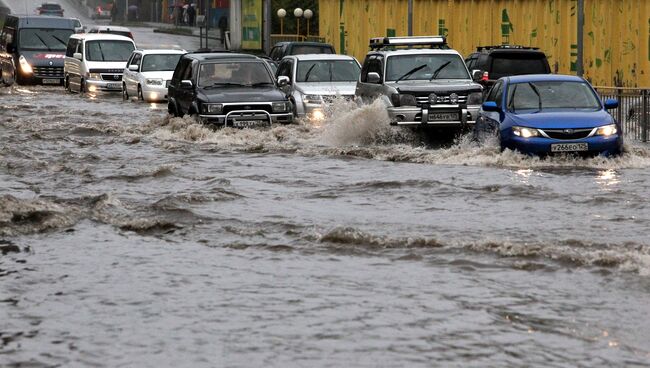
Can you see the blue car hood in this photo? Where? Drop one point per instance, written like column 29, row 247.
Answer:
column 563, row 119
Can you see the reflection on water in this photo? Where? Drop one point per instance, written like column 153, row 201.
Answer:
column 607, row 179
column 524, row 175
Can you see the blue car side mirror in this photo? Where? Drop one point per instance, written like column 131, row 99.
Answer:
column 490, row 106
column 611, row 103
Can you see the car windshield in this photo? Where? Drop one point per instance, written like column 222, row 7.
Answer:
column 234, row 72
column 526, row 96
column 160, row 62
column 108, row 50
column 327, row 71
column 425, row 67
column 311, row 49
column 505, row 65
column 51, row 7
column 44, row 39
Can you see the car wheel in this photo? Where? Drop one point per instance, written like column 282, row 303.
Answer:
column 140, row 95
column 82, row 87
column 125, row 93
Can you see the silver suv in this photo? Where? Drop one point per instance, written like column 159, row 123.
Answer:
column 421, row 81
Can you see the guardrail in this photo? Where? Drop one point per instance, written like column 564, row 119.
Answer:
column 633, row 110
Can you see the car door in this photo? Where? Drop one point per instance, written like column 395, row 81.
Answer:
column 186, row 95
column 492, row 119
column 284, row 70
column 132, row 77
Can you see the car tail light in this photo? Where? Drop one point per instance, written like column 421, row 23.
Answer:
column 485, row 77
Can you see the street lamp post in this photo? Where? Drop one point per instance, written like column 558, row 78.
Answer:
column 308, row 14
column 281, row 14
column 297, row 13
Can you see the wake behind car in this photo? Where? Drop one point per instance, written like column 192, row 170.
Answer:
column 421, row 81
column 316, row 80
column 148, row 74
column 545, row 114
column 32, row 49
column 96, row 62
column 228, row 89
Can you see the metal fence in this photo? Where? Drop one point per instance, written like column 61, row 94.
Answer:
column 633, row 110
column 275, row 38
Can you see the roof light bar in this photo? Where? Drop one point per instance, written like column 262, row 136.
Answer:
column 431, row 41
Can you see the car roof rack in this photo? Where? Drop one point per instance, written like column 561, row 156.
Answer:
column 508, row 47
column 433, row 42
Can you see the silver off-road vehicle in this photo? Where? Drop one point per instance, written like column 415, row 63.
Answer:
column 422, row 82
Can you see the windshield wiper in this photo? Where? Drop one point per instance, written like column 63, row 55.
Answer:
column 410, row 72
column 43, row 41
column 219, row 84
column 537, row 93
column 437, row 71
column 309, row 72
column 261, row 84
column 99, row 44
column 60, row 40
column 511, row 103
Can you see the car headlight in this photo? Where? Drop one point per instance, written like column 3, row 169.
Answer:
column 525, row 132
column 313, row 99
column 403, row 100
column 280, row 106
column 24, row 65
column 154, row 82
column 475, row 98
column 94, row 76
column 210, row 108
column 607, row 130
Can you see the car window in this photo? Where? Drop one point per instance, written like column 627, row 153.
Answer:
column 311, row 49
column 237, row 72
column 425, row 67
column 551, row 95
column 137, row 58
column 180, row 68
column 375, row 65
column 108, row 50
column 72, row 47
column 159, row 62
column 187, row 73
column 285, row 69
column 517, row 64
column 496, row 93
column 34, row 39
column 327, row 71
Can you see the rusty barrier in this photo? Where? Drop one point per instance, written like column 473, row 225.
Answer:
column 633, row 110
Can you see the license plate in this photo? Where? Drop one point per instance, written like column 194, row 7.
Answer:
column 569, row 147
column 51, row 81
column 443, row 116
column 248, row 123
column 114, row 86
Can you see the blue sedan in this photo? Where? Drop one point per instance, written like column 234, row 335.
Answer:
column 544, row 114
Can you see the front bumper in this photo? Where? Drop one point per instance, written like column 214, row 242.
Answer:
column 423, row 116
column 95, row 85
column 154, row 93
column 597, row 145
column 261, row 117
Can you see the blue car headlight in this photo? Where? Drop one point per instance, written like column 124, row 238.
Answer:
column 525, row 132
column 607, row 130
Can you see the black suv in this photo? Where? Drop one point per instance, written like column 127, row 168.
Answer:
column 282, row 49
column 506, row 60
column 228, row 89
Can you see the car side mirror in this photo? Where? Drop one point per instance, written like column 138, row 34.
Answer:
column 186, row 84
column 133, row 68
column 373, row 78
column 490, row 106
column 611, row 103
column 77, row 55
column 477, row 75
column 283, row 81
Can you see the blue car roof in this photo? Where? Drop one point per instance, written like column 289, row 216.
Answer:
column 543, row 78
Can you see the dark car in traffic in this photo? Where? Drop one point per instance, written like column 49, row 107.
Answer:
column 32, row 49
column 50, row 9
column 228, row 89
column 282, row 49
column 506, row 60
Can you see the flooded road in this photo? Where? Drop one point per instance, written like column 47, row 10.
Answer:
column 131, row 239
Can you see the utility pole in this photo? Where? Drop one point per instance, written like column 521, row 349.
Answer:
column 410, row 17
column 581, row 37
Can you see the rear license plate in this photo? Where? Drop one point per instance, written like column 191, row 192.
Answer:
column 114, row 86
column 51, row 81
column 248, row 123
column 569, row 147
column 443, row 116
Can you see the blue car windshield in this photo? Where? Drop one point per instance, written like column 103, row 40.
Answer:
column 537, row 96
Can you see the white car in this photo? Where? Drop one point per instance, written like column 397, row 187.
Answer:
column 96, row 62
column 316, row 80
column 116, row 30
column 148, row 73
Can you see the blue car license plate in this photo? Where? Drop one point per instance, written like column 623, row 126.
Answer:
column 569, row 147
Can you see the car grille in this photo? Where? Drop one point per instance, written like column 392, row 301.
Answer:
column 567, row 134
column 244, row 107
column 48, row 71
column 112, row 77
column 423, row 99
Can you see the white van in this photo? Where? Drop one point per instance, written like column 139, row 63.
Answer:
column 96, row 62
